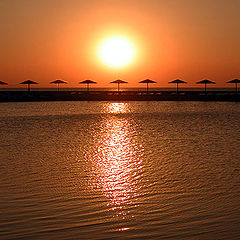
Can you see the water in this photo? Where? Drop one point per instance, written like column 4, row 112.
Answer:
column 132, row 170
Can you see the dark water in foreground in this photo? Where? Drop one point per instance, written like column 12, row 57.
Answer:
column 137, row 170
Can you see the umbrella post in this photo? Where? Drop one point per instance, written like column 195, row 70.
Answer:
column 28, row 87
column 236, row 85
column 177, row 81
column 58, row 82
column 147, row 82
column 118, row 84
column 205, row 82
column 87, row 82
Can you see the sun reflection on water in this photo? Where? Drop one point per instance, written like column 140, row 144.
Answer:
column 116, row 108
column 117, row 161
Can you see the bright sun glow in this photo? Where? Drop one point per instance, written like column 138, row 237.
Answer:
column 116, row 51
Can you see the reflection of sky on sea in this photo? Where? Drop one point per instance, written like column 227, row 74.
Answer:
column 116, row 160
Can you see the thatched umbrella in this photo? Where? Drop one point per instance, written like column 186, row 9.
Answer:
column 177, row 81
column 87, row 82
column 28, row 83
column 236, row 81
column 205, row 82
column 3, row 83
column 118, row 83
column 58, row 82
column 147, row 81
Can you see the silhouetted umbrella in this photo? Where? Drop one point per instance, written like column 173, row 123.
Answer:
column 147, row 81
column 3, row 83
column 177, row 81
column 28, row 82
column 118, row 83
column 87, row 82
column 58, row 82
column 236, row 81
column 205, row 82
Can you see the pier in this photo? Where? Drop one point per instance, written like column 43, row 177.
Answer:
column 23, row 96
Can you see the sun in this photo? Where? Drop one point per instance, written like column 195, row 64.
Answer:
column 116, row 51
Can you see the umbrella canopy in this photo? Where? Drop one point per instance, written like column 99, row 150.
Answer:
column 3, row 83
column 147, row 81
column 236, row 81
column 88, row 82
column 58, row 82
column 205, row 82
column 119, row 81
column 177, row 81
column 28, row 82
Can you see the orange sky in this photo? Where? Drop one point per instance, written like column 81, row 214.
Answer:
column 44, row 40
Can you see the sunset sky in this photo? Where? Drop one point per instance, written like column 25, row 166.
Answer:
column 44, row 40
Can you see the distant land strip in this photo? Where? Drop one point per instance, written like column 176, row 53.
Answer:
column 22, row 96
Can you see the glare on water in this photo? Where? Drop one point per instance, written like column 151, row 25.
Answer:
column 116, row 108
column 117, row 160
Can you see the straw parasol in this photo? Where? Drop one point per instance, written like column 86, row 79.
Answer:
column 28, row 83
column 3, row 83
column 177, row 81
column 58, row 82
column 236, row 81
column 87, row 82
column 147, row 81
column 119, row 81
column 205, row 82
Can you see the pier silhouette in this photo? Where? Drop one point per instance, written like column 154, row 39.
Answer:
column 25, row 96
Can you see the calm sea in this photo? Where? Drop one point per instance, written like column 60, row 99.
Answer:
column 131, row 170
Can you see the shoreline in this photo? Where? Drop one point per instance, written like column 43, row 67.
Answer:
column 24, row 96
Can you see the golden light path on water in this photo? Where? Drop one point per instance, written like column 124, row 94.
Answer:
column 117, row 161
column 116, row 108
